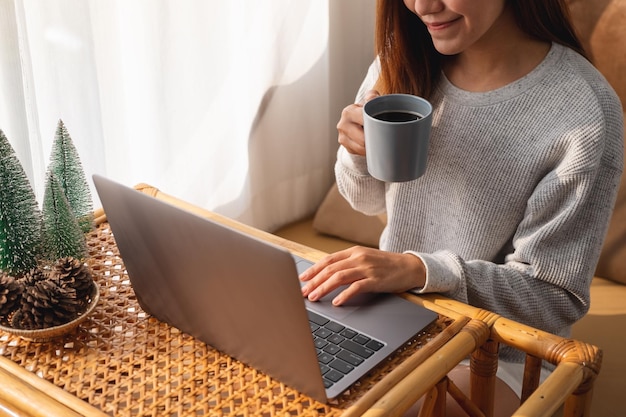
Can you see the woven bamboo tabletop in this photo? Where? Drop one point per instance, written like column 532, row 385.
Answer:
column 123, row 362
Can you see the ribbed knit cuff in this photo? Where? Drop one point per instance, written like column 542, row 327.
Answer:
column 352, row 162
column 443, row 273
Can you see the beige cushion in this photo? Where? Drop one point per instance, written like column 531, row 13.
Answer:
column 602, row 327
column 337, row 218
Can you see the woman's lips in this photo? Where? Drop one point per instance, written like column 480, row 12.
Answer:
column 436, row 26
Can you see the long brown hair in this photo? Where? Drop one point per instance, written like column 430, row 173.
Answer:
column 411, row 64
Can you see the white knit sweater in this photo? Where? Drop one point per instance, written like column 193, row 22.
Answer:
column 514, row 205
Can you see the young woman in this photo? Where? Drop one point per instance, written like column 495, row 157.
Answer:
column 523, row 167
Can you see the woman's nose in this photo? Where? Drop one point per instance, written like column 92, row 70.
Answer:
column 426, row 7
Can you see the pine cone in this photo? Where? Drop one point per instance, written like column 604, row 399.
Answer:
column 33, row 276
column 71, row 272
column 10, row 294
column 46, row 303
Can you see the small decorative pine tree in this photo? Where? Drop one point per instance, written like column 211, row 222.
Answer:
column 66, row 166
column 20, row 218
column 62, row 235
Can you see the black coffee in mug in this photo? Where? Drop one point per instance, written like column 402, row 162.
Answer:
column 397, row 116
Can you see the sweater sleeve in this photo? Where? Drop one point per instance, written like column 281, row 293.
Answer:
column 364, row 193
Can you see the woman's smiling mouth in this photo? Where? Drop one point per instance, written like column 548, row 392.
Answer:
column 440, row 25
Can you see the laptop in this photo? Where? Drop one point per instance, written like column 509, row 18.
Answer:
column 241, row 295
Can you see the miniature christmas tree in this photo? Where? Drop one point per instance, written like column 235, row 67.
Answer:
column 44, row 281
column 62, row 235
column 20, row 219
column 66, row 166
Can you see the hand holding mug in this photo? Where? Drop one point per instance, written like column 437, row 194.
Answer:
column 350, row 126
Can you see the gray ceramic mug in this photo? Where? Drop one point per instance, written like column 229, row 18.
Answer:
column 397, row 133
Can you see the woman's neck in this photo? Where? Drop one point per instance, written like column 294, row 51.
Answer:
column 503, row 56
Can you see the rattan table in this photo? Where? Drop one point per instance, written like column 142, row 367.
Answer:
column 122, row 362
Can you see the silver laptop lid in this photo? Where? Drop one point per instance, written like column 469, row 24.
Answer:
column 185, row 273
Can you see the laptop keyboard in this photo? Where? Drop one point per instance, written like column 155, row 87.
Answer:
column 339, row 349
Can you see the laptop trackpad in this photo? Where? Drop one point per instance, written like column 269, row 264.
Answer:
column 325, row 307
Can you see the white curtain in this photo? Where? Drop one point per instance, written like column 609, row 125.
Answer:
column 230, row 105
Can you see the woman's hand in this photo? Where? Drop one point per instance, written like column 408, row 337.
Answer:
column 363, row 270
column 350, row 126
